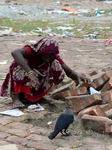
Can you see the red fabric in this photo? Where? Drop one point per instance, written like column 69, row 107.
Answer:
column 60, row 60
column 26, row 90
column 33, row 64
column 33, row 59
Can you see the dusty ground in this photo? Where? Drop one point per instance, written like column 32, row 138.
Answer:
column 79, row 54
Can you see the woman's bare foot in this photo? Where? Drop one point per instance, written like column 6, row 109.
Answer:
column 16, row 100
column 18, row 103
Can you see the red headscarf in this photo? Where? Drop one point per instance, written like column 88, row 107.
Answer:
column 45, row 46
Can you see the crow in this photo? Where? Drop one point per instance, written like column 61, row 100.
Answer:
column 62, row 123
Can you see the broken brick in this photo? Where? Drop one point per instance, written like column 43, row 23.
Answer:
column 57, row 94
column 90, row 100
column 73, row 100
column 106, row 97
column 99, row 80
column 108, row 127
column 106, row 87
column 94, row 110
column 105, row 107
column 75, row 92
column 96, row 123
column 109, row 113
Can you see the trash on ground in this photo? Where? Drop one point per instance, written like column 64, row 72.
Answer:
column 93, row 91
column 49, row 122
column 14, row 112
column 9, row 147
column 83, row 50
column 108, row 41
column 69, row 9
column 3, row 62
column 6, row 32
column 36, row 107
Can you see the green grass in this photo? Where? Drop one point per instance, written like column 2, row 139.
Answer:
column 26, row 26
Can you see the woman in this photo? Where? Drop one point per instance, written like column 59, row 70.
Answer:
column 34, row 70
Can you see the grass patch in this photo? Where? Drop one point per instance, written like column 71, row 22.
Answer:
column 102, row 31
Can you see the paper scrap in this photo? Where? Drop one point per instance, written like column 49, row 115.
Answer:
column 3, row 63
column 14, row 112
column 9, row 147
column 92, row 91
column 49, row 122
column 36, row 107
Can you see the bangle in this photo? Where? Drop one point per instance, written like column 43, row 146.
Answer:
column 30, row 72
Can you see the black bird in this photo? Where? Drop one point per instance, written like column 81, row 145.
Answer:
column 62, row 123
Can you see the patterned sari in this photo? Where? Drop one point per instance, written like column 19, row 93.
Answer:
column 17, row 79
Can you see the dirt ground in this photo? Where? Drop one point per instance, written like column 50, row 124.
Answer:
column 79, row 54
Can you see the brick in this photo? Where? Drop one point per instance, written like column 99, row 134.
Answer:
column 40, row 130
column 109, row 74
column 83, row 84
column 106, row 97
column 72, row 100
column 105, row 107
column 5, row 120
column 3, row 135
column 92, row 99
column 75, row 92
column 109, row 69
column 42, row 146
column 56, row 94
column 108, row 127
column 99, row 80
column 16, row 139
column 18, row 125
column 94, row 110
column 106, row 87
column 4, row 142
column 64, row 148
column 36, row 137
column 18, row 132
column 109, row 147
column 95, row 72
column 109, row 113
column 96, row 123
column 110, row 81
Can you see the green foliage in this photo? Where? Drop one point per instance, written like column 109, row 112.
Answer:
column 80, row 29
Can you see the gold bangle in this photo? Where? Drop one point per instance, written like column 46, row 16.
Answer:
column 30, row 72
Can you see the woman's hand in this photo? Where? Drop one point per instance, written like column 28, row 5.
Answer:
column 34, row 81
column 75, row 76
column 83, row 78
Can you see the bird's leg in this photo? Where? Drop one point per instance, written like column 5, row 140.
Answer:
column 66, row 134
column 62, row 133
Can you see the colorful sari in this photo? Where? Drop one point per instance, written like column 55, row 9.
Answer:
column 17, row 79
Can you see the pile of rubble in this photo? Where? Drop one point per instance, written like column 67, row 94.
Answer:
column 92, row 102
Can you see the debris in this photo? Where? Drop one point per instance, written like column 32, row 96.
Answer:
column 83, row 50
column 3, row 62
column 92, row 91
column 69, row 9
column 6, row 32
column 9, row 147
column 13, row 112
column 49, row 123
column 108, row 41
column 36, row 107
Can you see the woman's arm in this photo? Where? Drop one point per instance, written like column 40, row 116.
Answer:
column 19, row 56
column 73, row 75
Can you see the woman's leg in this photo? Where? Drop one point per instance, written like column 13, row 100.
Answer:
column 16, row 100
